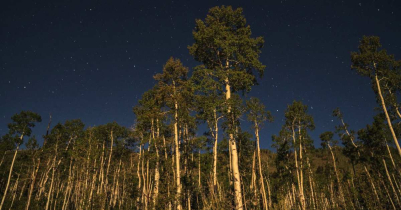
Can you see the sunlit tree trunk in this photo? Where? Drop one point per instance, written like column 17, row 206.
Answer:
column 2, row 159
column 52, row 181
column 391, row 183
column 101, row 175
column 67, row 188
column 337, row 176
column 265, row 203
column 373, row 184
column 302, row 192
column 199, row 169
column 387, row 116
column 109, row 160
column 14, row 191
column 177, row 154
column 234, row 159
column 138, row 173
column 301, row 196
column 10, row 174
column 216, row 134
column 310, row 179
column 157, row 174
column 252, row 187
column 33, row 177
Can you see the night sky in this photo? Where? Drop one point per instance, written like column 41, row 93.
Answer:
column 93, row 60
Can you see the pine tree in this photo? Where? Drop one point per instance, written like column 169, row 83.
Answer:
column 223, row 44
column 21, row 126
column 384, row 72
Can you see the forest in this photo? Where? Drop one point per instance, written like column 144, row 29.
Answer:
column 190, row 146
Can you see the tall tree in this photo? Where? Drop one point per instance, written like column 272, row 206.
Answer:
column 258, row 115
column 297, row 119
column 209, row 106
column 149, row 114
column 173, row 88
column 223, row 43
column 329, row 142
column 20, row 127
column 384, row 72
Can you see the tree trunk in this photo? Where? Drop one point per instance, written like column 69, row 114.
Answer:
column 337, row 176
column 51, row 183
column 108, row 164
column 234, row 159
column 387, row 116
column 199, row 169
column 33, row 177
column 138, row 173
column 301, row 198
column 302, row 192
column 391, row 183
column 265, row 203
column 2, row 159
column 177, row 158
column 216, row 134
column 14, row 191
column 157, row 174
column 10, row 174
column 252, row 187
column 373, row 185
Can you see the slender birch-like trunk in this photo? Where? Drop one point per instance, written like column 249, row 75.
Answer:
column 177, row 153
column 234, row 159
column 337, row 176
column 14, row 190
column 297, row 168
column 371, row 182
column 216, row 137
column 2, row 159
column 391, row 183
column 10, row 174
column 157, row 174
column 303, row 202
column 101, row 175
column 252, row 187
column 265, row 203
column 52, row 181
column 33, row 177
column 108, row 164
column 199, row 170
column 385, row 112
column 138, row 173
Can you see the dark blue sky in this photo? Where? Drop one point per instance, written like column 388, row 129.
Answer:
column 93, row 60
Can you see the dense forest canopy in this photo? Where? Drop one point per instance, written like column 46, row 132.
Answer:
column 195, row 141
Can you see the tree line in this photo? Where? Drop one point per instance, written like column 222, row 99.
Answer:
column 162, row 162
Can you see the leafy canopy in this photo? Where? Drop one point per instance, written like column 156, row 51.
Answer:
column 223, row 43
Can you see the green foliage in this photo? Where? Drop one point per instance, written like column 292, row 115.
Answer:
column 374, row 138
column 32, row 143
column 223, row 44
column 327, row 139
column 7, row 142
column 351, row 146
column 296, row 116
column 233, row 109
column 100, row 167
column 208, row 99
column 373, row 61
column 22, row 124
column 257, row 113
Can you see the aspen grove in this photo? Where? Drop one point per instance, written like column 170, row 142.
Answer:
column 195, row 142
